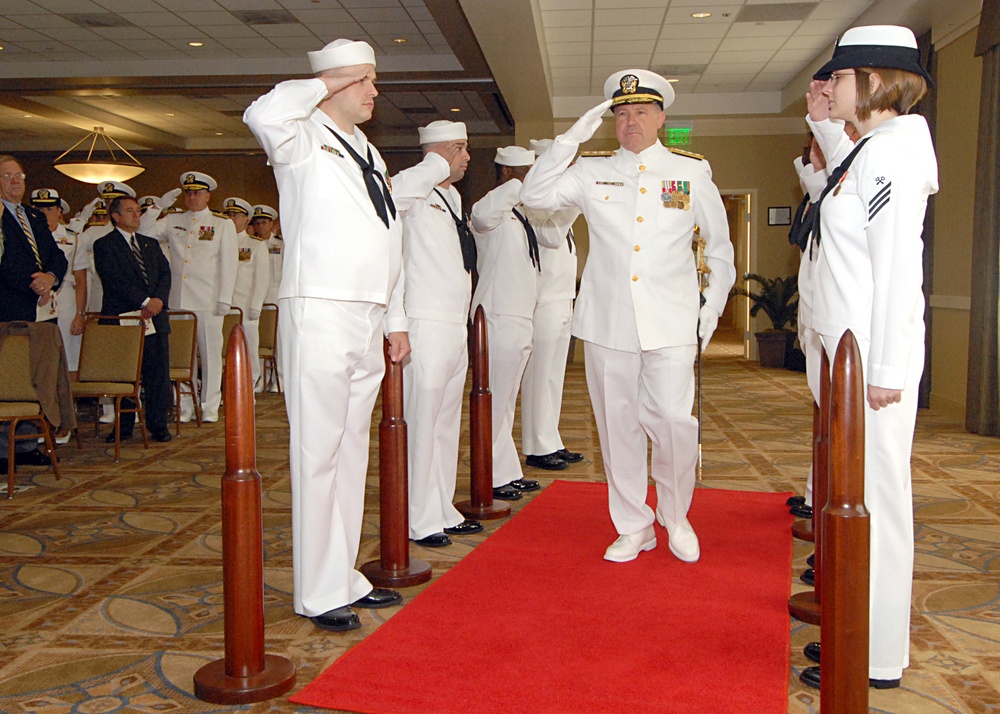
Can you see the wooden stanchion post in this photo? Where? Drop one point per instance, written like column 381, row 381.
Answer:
column 481, row 506
column 246, row 674
column 394, row 568
column 846, row 543
column 806, row 605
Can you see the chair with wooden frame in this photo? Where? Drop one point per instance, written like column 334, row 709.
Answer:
column 111, row 366
column 268, row 329
column 19, row 400
column 183, row 363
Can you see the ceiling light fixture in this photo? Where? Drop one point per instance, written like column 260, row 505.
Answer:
column 673, row 81
column 455, row 109
column 700, row 15
column 94, row 169
column 400, row 40
column 196, row 44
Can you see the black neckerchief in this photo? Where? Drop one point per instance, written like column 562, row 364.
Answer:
column 536, row 259
column 379, row 195
column 465, row 237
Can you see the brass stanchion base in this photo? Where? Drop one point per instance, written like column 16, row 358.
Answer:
column 803, row 530
column 212, row 684
column 805, row 607
column 418, row 571
column 491, row 512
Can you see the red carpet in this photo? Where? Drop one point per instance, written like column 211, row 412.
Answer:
column 534, row 620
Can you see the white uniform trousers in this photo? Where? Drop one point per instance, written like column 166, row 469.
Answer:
column 66, row 300
column 433, row 389
column 889, row 499
column 334, row 366
column 509, row 340
column 251, row 328
column 542, row 385
column 636, row 395
column 812, row 347
column 210, row 351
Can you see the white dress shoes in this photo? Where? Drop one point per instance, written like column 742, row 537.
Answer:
column 683, row 540
column 628, row 547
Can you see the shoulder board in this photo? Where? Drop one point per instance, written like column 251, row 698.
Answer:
column 689, row 154
column 275, row 235
column 592, row 154
column 70, row 230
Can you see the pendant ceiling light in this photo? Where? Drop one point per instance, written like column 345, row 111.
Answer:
column 106, row 161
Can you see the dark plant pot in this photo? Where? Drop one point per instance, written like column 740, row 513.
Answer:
column 773, row 345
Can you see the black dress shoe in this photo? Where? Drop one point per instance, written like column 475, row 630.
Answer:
column 811, row 651
column 551, row 462
column 378, row 598
column 160, row 435
column 338, row 620
column 810, row 677
column 110, row 438
column 801, row 511
column 808, row 577
column 506, row 493
column 4, row 465
column 466, row 527
column 883, row 683
column 525, row 484
column 570, row 457
column 796, row 501
column 31, row 458
column 434, row 540
column 811, row 561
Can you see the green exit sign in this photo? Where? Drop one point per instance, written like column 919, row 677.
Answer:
column 678, row 136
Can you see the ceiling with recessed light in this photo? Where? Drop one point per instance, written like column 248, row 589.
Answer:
column 131, row 65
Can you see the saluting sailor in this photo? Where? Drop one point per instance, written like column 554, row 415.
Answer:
column 439, row 256
column 508, row 283
column 341, row 288
column 638, row 309
column 203, row 265
column 252, row 277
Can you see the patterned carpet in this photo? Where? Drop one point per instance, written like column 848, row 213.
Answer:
column 110, row 579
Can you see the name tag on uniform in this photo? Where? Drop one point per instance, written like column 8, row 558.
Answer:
column 332, row 150
column 244, row 255
column 206, row 233
column 676, row 194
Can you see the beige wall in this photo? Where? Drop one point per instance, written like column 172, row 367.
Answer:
column 959, row 78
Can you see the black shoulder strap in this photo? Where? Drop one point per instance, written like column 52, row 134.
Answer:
column 836, row 177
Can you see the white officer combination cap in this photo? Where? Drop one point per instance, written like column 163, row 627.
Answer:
column 638, row 86
column 235, row 204
column 64, row 206
column 442, row 130
column 44, row 197
column 540, row 146
column 147, row 202
column 341, row 53
column 100, row 208
column 514, row 156
column 876, row 46
column 262, row 211
column 113, row 189
column 197, row 181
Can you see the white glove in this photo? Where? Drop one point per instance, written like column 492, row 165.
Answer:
column 222, row 308
column 586, row 125
column 167, row 200
column 254, row 315
column 87, row 211
column 708, row 320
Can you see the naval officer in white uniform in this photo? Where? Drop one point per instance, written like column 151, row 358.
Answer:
column 341, row 290
column 542, row 384
column 439, row 257
column 262, row 221
column 252, row 277
column 638, row 308
column 203, row 263
column 508, row 282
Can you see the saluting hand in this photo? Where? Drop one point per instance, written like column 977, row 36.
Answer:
column 818, row 105
column 339, row 79
column 586, row 125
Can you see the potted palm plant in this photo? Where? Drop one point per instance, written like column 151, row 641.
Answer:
column 778, row 298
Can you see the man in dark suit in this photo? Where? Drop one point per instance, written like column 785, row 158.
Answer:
column 136, row 277
column 31, row 264
column 31, row 269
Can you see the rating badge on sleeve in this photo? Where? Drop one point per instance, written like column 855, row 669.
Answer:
column 676, row 194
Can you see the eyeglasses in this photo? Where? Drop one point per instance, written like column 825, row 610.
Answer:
column 837, row 75
column 10, row 177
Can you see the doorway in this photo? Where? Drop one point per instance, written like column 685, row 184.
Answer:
column 741, row 206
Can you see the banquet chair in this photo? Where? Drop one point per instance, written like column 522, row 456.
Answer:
column 268, row 343
column 183, row 363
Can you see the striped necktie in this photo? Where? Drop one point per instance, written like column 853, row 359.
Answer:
column 23, row 220
column 138, row 257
